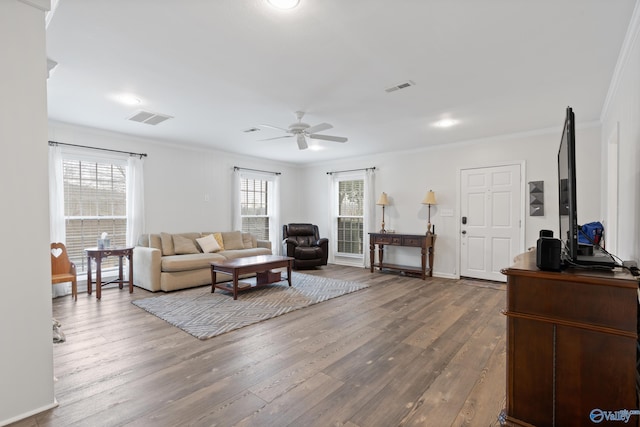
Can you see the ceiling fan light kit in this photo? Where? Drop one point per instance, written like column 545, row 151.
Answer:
column 302, row 131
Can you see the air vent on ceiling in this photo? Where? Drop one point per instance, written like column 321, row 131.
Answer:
column 251, row 130
column 399, row 86
column 149, row 117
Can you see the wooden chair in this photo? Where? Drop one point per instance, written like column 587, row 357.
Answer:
column 62, row 269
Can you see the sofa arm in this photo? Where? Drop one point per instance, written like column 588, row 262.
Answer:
column 146, row 268
column 322, row 242
column 289, row 246
column 264, row 244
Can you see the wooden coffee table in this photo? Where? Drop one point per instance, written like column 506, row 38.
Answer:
column 261, row 265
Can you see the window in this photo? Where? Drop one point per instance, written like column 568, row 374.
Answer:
column 350, row 218
column 95, row 202
column 255, row 207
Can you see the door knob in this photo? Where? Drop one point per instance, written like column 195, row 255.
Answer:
column 464, row 231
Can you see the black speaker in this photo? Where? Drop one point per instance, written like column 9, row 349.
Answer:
column 548, row 254
column 546, row 233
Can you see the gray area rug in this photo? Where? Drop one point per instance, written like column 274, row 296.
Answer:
column 205, row 315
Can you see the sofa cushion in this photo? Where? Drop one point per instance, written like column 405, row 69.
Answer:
column 166, row 240
column 307, row 252
column 243, row 253
column 155, row 241
column 232, row 240
column 184, row 245
column 197, row 261
column 249, row 241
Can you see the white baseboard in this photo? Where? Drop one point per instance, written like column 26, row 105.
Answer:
column 30, row 413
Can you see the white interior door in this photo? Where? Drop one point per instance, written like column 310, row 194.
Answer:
column 490, row 220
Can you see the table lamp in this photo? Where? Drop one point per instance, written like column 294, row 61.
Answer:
column 429, row 199
column 383, row 201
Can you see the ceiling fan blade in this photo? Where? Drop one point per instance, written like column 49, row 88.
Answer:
column 318, row 128
column 277, row 137
column 302, row 142
column 329, row 138
column 274, row 127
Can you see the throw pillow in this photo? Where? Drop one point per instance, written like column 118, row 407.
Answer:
column 232, row 240
column 208, row 244
column 184, row 246
column 218, row 237
column 247, row 240
column 166, row 241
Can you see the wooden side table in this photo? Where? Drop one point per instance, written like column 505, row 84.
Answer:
column 98, row 255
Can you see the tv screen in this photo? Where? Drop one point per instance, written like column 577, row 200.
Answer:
column 567, row 189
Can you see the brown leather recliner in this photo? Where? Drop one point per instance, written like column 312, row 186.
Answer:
column 303, row 242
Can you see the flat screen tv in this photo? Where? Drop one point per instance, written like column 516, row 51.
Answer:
column 569, row 228
column 567, row 189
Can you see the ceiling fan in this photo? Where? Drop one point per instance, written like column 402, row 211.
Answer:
column 302, row 131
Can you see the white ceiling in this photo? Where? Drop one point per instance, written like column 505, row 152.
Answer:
column 223, row 66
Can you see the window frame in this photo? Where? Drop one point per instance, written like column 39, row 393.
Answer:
column 76, row 252
column 336, row 216
column 268, row 204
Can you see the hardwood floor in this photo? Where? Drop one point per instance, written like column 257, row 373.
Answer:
column 404, row 352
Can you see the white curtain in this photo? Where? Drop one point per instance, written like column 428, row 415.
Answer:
column 274, row 223
column 333, row 223
column 369, row 211
column 135, row 199
column 236, row 211
column 57, row 231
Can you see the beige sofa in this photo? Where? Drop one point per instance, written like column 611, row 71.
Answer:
column 168, row 262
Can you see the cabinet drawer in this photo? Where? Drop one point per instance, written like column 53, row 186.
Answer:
column 412, row 241
column 388, row 240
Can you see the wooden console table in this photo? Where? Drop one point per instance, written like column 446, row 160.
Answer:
column 423, row 241
column 571, row 346
column 97, row 255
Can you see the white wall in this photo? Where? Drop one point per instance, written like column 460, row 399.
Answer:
column 186, row 189
column 26, row 358
column 407, row 176
column 623, row 111
column 189, row 189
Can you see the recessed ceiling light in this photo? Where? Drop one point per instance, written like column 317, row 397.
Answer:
column 446, row 123
column 127, row 99
column 283, row 4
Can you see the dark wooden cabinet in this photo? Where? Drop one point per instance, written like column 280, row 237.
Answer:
column 423, row 241
column 571, row 346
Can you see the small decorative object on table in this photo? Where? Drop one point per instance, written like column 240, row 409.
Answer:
column 104, row 242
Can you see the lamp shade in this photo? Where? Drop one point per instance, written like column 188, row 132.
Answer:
column 383, row 200
column 430, row 199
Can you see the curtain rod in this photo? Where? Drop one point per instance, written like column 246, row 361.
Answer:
column 101, row 149
column 237, row 168
column 353, row 170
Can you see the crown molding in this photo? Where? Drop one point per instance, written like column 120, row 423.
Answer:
column 43, row 5
column 628, row 45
